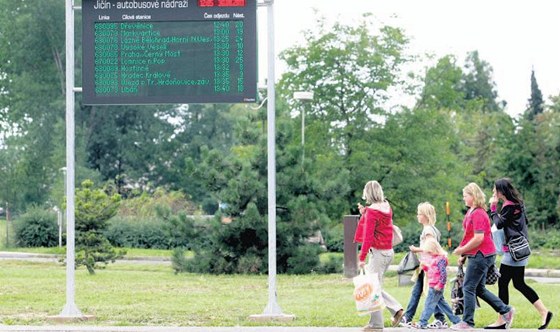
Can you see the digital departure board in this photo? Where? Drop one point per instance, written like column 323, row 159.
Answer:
column 169, row 51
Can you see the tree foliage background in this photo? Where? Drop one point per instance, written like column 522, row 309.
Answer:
column 355, row 130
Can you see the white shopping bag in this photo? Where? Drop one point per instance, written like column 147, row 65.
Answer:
column 367, row 293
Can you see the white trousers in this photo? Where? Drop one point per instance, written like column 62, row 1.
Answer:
column 379, row 261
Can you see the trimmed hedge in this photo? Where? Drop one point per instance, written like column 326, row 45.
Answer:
column 36, row 228
column 145, row 233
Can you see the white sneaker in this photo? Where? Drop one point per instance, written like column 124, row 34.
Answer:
column 438, row 325
column 405, row 323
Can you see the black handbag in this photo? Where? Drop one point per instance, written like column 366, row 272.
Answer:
column 519, row 248
column 493, row 275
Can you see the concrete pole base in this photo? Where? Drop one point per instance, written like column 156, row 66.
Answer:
column 69, row 319
column 272, row 317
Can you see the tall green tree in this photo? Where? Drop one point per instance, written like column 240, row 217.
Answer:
column 533, row 163
column 443, row 86
column 536, row 103
column 478, row 83
column 352, row 70
column 127, row 144
column 32, row 88
column 238, row 179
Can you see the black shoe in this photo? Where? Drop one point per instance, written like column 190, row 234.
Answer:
column 496, row 327
column 548, row 319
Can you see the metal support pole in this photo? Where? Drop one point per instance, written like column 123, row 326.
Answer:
column 59, row 220
column 302, row 135
column 7, row 225
column 70, row 310
column 303, row 96
column 272, row 308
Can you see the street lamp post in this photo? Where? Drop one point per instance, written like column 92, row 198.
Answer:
column 303, row 96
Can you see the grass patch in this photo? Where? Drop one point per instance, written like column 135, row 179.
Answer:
column 132, row 294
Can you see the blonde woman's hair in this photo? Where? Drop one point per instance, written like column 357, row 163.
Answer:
column 479, row 198
column 429, row 211
column 433, row 247
column 373, row 193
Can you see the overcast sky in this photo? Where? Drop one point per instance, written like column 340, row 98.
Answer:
column 513, row 36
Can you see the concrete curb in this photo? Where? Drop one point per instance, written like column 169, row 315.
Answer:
column 6, row 255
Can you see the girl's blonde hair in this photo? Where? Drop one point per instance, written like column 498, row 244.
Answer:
column 479, row 198
column 429, row 211
column 433, row 247
column 373, row 193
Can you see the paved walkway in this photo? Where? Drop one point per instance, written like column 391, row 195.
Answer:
column 67, row 328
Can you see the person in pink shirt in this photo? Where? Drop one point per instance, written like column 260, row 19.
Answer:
column 477, row 245
column 434, row 263
column 375, row 232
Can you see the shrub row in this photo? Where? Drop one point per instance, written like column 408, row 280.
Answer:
column 38, row 228
column 133, row 233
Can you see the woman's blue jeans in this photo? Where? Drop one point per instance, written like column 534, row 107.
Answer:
column 475, row 285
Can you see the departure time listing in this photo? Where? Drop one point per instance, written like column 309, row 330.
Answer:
column 169, row 58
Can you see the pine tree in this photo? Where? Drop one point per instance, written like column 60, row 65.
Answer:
column 536, row 104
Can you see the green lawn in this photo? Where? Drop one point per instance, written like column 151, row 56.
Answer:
column 132, row 294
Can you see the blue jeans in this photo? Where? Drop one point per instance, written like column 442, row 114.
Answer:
column 415, row 299
column 475, row 285
column 436, row 301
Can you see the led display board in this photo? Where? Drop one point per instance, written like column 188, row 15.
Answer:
column 169, row 51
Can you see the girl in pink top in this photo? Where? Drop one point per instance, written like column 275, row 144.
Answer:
column 434, row 263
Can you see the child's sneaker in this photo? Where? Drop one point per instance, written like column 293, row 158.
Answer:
column 437, row 325
column 418, row 326
column 405, row 322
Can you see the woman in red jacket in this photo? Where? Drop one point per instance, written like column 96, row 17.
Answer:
column 375, row 232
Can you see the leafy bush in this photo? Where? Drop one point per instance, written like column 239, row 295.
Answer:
column 146, row 205
column 179, row 261
column 241, row 246
column 133, row 233
column 334, row 263
column 304, row 260
column 549, row 238
column 334, row 238
column 36, row 228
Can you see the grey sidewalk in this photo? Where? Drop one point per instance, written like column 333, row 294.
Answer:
column 68, row 328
